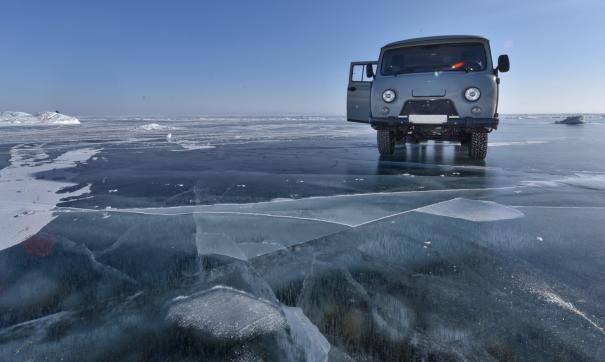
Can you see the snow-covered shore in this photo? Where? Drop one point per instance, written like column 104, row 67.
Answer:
column 10, row 118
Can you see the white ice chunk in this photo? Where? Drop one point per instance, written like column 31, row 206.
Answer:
column 156, row 127
column 225, row 314
column 472, row 210
column 306, row 335
column 57, row 118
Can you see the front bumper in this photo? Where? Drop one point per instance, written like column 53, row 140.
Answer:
column 466, row 122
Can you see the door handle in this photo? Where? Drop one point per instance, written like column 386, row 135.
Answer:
column 352, row 89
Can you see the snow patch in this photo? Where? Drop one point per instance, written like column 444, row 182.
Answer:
column 472, row 210
column 28, row 202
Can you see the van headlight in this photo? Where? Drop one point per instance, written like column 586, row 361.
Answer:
column 472, row 94
column 389, row 95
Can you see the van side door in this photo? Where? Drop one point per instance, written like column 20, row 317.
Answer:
column 358, row 91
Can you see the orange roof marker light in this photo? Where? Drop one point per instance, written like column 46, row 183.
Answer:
column 458, row 65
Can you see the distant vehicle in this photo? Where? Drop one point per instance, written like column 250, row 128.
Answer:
column 434, row 88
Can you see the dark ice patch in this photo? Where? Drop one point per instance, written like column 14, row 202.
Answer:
column 158, row 251
column 49, row 273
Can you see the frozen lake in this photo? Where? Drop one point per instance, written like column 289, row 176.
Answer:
column 289, row 238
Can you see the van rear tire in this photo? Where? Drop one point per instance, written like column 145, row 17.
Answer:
column 386, row 142
column 477, row 147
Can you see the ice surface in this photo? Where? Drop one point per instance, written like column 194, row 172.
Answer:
column 192, row 145
column 245, row 236
column 472, row 210
column 593, row 181
column 8, row 118
column 245, row 231
column 517, row 143
column 306, row 335
column 219, row 244
column 301, row 212
column 547, row 294
column 589, row 181
column 392, row 317
column 27, row 201
column 202, row 131
column 226, row 315
column 341, row 210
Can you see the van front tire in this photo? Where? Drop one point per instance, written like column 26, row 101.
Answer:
column 477, row 146
column 386, row 142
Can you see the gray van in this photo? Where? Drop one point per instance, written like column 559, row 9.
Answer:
column 434, row 88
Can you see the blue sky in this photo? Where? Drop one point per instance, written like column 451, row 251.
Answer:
column 271, row 57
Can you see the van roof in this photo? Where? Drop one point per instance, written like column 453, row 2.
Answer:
column 436, row 39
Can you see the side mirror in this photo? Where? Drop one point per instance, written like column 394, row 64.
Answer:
column 503, row 64
column 369, row 71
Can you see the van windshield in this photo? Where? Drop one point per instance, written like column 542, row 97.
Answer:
column 469, row 57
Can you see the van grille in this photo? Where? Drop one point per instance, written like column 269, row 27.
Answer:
column 437, row 106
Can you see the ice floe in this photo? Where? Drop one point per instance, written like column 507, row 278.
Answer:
column 10, row 118
column 27, row 201
column 472, row 210
column 247, row 231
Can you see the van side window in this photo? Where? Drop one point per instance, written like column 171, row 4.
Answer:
column 359, row 73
